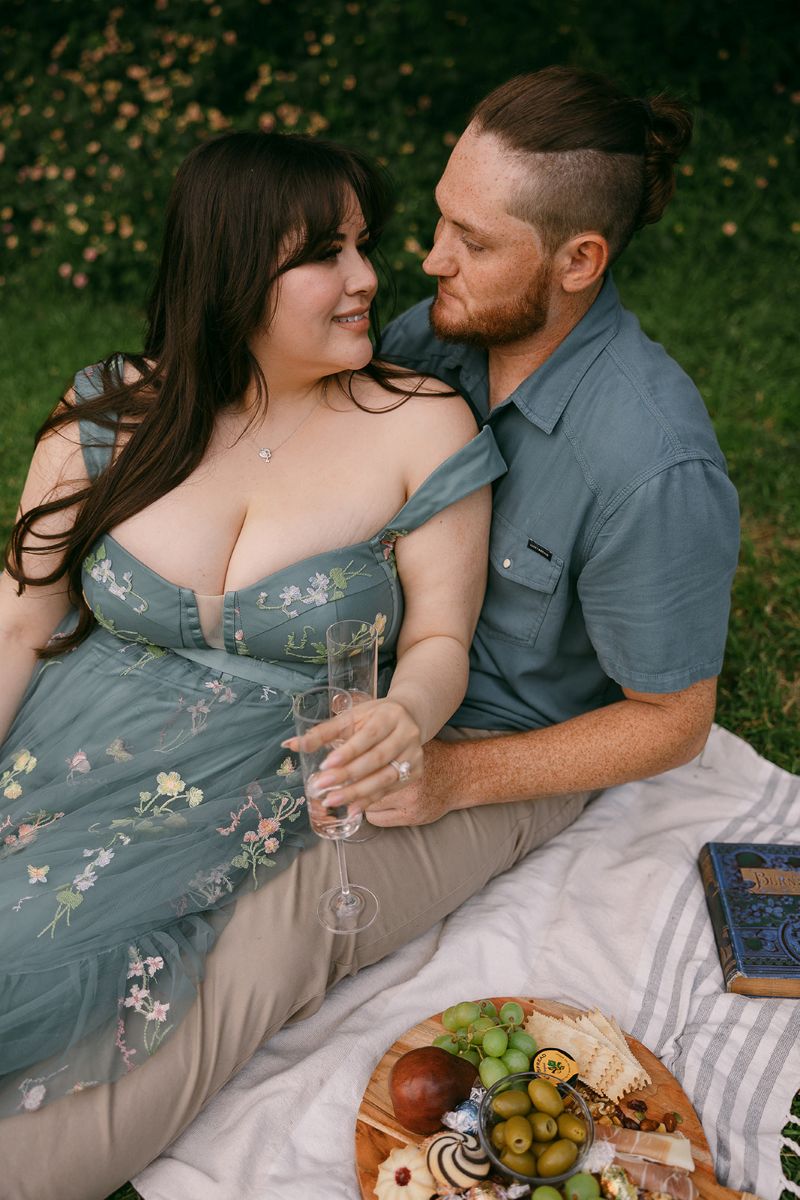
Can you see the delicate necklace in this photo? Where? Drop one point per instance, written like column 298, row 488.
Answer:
column 266, row 452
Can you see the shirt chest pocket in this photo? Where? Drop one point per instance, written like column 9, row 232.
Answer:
column 520, row 586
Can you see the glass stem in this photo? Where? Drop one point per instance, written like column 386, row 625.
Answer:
column 344, row 881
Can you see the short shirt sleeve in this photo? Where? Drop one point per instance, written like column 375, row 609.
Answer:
column 655, row 590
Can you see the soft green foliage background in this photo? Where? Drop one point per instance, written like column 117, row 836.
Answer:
column 99, row 103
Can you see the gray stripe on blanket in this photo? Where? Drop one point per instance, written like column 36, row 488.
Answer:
column 737, row 1076
column 755, row 1110
column 672, row 926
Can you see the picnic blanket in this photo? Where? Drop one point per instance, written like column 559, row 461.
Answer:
column 610, row 913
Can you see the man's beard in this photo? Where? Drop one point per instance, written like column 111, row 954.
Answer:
column 502, row 323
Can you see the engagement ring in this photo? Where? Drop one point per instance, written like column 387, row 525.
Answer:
column 403, row 770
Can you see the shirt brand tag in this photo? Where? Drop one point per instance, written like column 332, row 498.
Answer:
column 532, row 545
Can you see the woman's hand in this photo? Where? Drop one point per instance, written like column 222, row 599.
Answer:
column 362, row 770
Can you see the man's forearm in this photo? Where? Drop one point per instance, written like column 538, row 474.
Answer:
column 628, row 740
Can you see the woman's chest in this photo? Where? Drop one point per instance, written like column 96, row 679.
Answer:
column 239, row 518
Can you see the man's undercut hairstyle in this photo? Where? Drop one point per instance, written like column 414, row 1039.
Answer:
column 600, row 160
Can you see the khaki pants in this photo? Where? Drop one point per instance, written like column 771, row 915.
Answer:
column 273, row 964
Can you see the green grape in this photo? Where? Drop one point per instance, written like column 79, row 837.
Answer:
column 511, row 1013
column 487, row 1008
column 466, row 1012
column 495, row 1042
column 545, row 1192
column 478, row 1028
column 471, row 1056
column 515, row 1060
column 449, row 1019
column 490, row 1070
column 520, row 1040
column 447, row 1042
column 582, row 1187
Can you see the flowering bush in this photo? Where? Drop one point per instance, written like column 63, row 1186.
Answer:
column 101, row 103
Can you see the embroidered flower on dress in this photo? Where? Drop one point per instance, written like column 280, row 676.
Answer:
column 287, row 767
column 153, row 964
column 12, row 792
column 158, row 1012
column 37, row 874
column 268, row 825
column 102, row 572
column 103, row 858
column 169, row 783
column 194, row 797
column 87, row 879
column 33, row 1097
column 318, row 592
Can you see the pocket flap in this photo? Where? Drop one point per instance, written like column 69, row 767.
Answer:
column 513, row 558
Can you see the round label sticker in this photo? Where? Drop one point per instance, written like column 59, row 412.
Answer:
column 556, row 1063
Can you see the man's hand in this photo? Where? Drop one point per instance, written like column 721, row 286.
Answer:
column 418, row 803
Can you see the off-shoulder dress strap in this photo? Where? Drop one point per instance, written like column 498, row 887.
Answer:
column 97, row 442
column 472, row 466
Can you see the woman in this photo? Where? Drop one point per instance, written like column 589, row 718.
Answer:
column 209, row 508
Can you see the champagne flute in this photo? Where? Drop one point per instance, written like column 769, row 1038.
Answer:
column 328, row 712
column 353, row 668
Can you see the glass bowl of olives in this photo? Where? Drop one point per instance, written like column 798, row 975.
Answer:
column 535, row 1130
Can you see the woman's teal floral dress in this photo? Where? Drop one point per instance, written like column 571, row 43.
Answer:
column 142, row 787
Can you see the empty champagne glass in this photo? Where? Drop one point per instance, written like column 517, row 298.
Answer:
column 353, row 667
column 328, row 714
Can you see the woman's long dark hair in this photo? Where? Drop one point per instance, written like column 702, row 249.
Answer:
column 239, row 201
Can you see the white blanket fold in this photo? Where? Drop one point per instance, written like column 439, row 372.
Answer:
column 610, row 913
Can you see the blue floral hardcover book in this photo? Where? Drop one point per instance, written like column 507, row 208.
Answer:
column 753, row 897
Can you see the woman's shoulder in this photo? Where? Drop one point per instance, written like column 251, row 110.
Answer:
column 419, row 403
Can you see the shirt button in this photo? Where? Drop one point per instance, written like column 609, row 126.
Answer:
column 506, row 563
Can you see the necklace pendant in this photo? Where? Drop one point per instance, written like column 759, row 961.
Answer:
column 265, row 453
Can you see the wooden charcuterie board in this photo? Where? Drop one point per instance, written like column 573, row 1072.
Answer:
column 378, row 1132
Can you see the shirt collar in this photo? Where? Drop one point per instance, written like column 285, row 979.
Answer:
column 544, row 395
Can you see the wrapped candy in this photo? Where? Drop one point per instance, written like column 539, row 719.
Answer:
column 463, row 1118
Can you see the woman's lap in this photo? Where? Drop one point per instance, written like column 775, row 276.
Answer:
column 273, row 963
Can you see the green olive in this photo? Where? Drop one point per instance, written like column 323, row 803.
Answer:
column 545, row 1097
column 498, row 1136
column 582, row 1186
column 518, row 1135
column 572, row 1127
column 544, row 1127
column 524, row 1164
column 512, row 1104
column 557, row 1158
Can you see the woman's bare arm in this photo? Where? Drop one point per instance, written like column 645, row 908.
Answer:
column 28, row 620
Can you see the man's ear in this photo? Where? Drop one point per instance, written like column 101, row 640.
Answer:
column 582, row 261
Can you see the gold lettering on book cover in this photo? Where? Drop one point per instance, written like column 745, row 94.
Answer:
column 772, row 882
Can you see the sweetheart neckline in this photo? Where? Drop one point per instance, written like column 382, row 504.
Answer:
column 259, row 583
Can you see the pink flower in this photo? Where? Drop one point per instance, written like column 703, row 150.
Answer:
column 80, row 280
column 271, row 845
column 154, row 964
column 250, row 836
column 90, row 253
column 268, row 825
column 137, row 997
column 135, row 968
column 159, row 1012
column 65, row 270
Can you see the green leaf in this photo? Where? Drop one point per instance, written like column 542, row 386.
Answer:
column 338, row 577
column 241, row 860
column 69, row 898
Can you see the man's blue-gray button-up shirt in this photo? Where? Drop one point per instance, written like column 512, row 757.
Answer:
column 615, row 533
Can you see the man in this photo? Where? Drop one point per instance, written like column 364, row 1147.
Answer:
column 613, row 548
column 615, row 531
